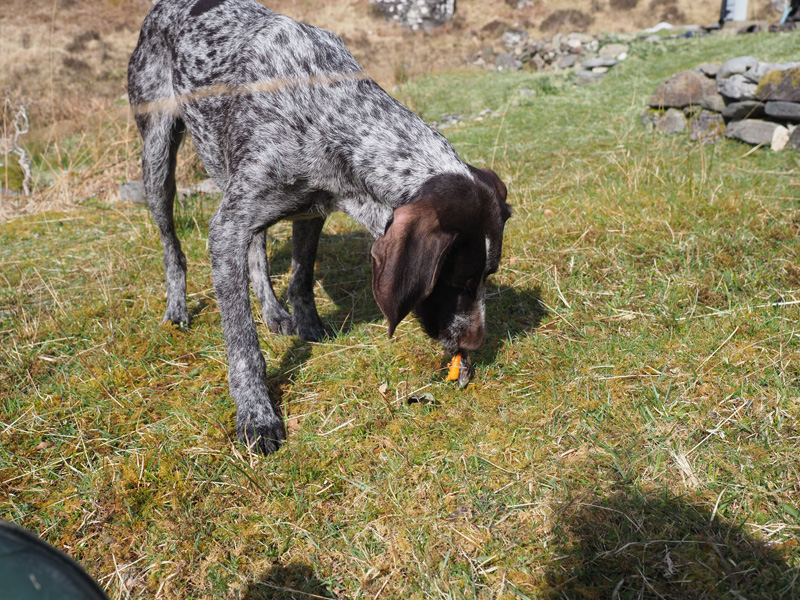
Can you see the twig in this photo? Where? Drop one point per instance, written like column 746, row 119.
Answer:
column 11, row 145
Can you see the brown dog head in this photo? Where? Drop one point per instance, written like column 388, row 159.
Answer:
column 436, row 254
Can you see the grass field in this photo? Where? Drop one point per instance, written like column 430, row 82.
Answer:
column 632, row 431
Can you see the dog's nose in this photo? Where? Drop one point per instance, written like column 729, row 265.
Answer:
column 474, row 338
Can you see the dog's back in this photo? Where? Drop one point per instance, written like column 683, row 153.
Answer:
column 233, row 70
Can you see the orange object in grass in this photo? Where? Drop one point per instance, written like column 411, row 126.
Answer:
column 455, row 368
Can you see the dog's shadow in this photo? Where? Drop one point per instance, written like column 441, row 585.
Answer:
column 343, row 270
column 292, row 582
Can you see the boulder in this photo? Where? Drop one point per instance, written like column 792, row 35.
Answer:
column 575, row 46
column 587, row 77
column 736, row 66
column 671, row 122
column 736, row 87
column 583, row 38
column 706, row 127
column 780, row 138
column 780, row 84
column 416, row 14
column 755, row 74
column 751, row 131
column 649, row 118
column 708, row 70
column 794, row 139
column 785, row 111
column 132, row 191
column 513, row 38
column 206, row 186
column 683, row 89
column 591, row 63
column 747, row 109
column 507, row 62
column 567, row 61
column 714, row 102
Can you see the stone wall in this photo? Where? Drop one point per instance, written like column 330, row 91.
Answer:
column 744, row 99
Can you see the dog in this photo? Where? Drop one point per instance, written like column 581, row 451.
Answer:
column 290, row 127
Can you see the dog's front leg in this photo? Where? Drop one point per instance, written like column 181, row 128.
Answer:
column 305, row 241
column 275, row 316
column 257, row 423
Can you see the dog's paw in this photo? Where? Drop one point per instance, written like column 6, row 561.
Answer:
column 310, row 330
column 179, row 318
column 280, row 323
column 263, row 438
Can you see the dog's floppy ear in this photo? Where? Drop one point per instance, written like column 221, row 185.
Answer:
column 496, row 182
column 492, row 180
column 406, row 260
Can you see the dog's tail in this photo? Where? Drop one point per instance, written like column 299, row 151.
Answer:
column 150, row 69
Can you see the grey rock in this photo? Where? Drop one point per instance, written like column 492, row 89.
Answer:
column 747, row 109
column 683, row 89
column 736, row 66
column 567, row 61
column 649, row 117
column 613, row 51
column 780, row 84
column 736, row 87
column 416, row 14
column 794, row 139
column 507, row 62
column 786, row 111
column 715, row 102
column 671, row 122
column 751, row 131
column 575, row 46
column 514, row 38
column 706, row 127
column 583, row 38
column 206, row 186
column 586, row 77
column 132, row 191
column 598, row 62
column 709, row 70
column 691, row 111
column 537, row 63
column 755, row 74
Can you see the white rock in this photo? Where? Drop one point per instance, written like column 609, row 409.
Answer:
column 780, row 138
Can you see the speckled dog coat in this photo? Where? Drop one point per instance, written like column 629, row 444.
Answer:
column 289, row 127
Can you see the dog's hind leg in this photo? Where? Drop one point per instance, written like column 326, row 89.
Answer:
column 275, row 316
column 162, row 136
column 305, row 241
